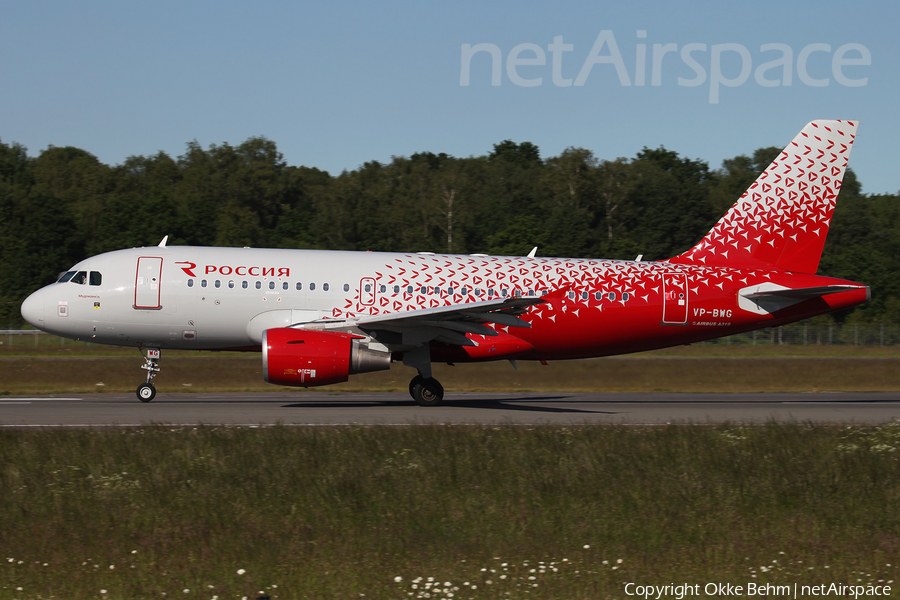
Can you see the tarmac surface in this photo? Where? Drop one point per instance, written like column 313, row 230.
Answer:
column 377, row 408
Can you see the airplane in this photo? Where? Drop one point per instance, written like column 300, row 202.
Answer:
column 320, row 316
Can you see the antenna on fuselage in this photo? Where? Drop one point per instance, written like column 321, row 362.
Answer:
column 162, row 244
column 533, row 252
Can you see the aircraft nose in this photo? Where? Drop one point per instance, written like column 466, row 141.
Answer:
column 33, row 310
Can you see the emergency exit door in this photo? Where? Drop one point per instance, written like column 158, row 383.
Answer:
column 367, row 291
column 147, row 283
column 675, row 299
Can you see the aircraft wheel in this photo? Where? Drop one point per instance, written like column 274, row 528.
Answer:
column 427, row 392
column 146, row 392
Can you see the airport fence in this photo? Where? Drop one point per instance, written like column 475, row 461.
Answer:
column 19, row 338
column 795, row 334
column 817, row 334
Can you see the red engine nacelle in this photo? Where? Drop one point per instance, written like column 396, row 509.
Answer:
column 307, row 358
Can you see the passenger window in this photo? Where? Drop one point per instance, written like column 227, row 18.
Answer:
column 190, row 283
column 571, row 295
column 464, row 291
column 612, row 296
column 271, row 285
column 409, row 289
column 259, row 285
column 598, row 295
column 368, row 287
column 218, row 283
column 96, row 278
column 584, row 295
column 382, row 289
column 244, row 285
column 79, row 277
column 231, row 284
column 347, row 287
column 202, row 283
column 312, row 287
column 503, row 293
column 449, row 291
column 477, row 291
column 424, row 290
column 284, row 285
column 625, row 296
column 396, row 289
column 66, row 277
column 299, row 286
column 325, row 287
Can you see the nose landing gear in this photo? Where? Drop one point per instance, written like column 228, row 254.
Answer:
column 146, row 391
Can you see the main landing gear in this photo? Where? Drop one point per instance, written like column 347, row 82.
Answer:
column 426, row 391
column 146, row 392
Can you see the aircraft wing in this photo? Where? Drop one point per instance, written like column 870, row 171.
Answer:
column 448, row 324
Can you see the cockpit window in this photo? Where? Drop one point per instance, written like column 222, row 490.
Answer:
column 95, row 278
column 79, row 278
column 65, row 277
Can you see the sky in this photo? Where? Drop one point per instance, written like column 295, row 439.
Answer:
column 338, row 84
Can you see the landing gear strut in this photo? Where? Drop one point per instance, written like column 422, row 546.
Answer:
column 146, row 392
column 426, row 391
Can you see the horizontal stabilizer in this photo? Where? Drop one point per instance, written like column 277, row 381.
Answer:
column 804, row 293
column 769, row 297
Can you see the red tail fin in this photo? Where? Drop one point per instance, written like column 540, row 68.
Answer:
column 782, row 220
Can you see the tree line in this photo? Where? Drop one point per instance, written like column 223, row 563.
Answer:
column 65, row 205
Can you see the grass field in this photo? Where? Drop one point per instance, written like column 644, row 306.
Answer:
column 698, row 368
column 443, row 512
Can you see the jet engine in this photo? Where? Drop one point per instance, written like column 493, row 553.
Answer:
column 307, row 358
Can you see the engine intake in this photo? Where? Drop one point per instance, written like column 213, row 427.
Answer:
column 307, row 358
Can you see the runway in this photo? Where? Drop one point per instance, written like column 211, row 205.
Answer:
column 343, row 408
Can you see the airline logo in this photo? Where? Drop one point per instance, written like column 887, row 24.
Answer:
column 241, row 270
